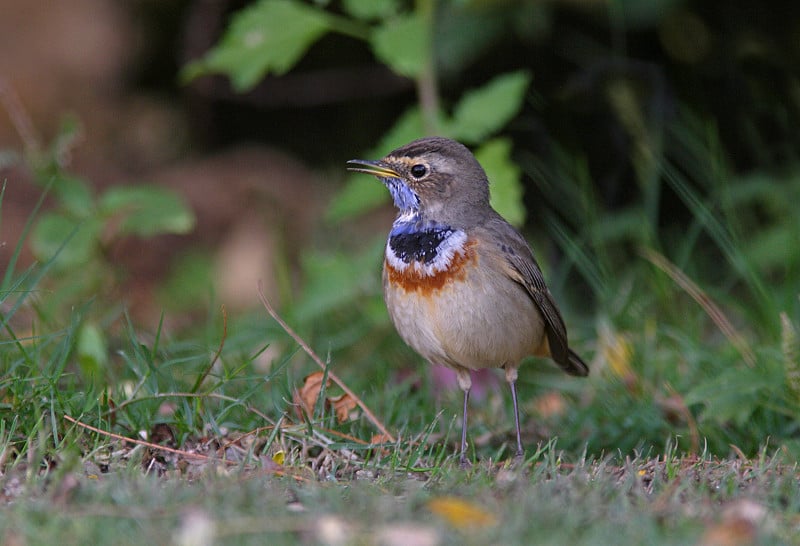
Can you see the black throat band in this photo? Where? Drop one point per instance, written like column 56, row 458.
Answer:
column 420, row 246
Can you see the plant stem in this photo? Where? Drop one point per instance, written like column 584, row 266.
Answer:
column 427, row 85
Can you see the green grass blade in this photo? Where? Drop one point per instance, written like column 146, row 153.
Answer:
column 722, row 237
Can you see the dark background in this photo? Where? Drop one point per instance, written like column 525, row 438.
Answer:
column 281, row 147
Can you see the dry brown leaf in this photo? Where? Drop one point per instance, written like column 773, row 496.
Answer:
column 309, row 392
column 461, row 514
column 343, row 405
column 308, row 396
column 381, row 439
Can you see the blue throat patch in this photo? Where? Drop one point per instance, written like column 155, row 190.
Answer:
column 404, row 198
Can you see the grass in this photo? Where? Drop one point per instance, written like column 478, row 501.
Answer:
column 274, row 473
column 658, row 500
column 236, row 431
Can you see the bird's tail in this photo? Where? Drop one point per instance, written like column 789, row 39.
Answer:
column 575, row 364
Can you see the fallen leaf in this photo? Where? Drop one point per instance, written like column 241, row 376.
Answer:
column 461, row 514
column 343, row 405
column 617, row 351
column 309, row 392
column 380, row 439
column 308, row 396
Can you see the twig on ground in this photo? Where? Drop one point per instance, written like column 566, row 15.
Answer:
column 187, row 454
column 310, row 352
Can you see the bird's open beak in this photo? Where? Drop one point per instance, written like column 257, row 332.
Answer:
column 403, row 196
column 375, row 168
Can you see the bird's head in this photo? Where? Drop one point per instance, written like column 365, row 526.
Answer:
column 434, row 178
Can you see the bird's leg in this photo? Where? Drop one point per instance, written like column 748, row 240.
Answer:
column 463, row 458
column 465, row 382
column 511, row 377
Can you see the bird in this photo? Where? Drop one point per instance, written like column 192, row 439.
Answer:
column 461, row 284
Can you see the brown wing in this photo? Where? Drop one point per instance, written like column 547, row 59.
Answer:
column 521, row 266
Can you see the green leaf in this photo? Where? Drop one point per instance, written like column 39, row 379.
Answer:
column 91, row 349
column 370, row 9
column 147, row 210
column 75, row 195
column 74, row 240
column 403, row 43
column 486, row 110
column 268, row 37
column 503, row 173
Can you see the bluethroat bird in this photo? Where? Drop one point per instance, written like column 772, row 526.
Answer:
column 461, row 284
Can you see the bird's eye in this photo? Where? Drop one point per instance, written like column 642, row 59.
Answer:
column 419, row 170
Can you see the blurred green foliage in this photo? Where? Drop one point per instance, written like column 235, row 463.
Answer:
column 70, row 240
column 270, row 36
column 75, row 231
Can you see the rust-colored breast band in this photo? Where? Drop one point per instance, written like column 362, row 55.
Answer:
column 413, row 280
